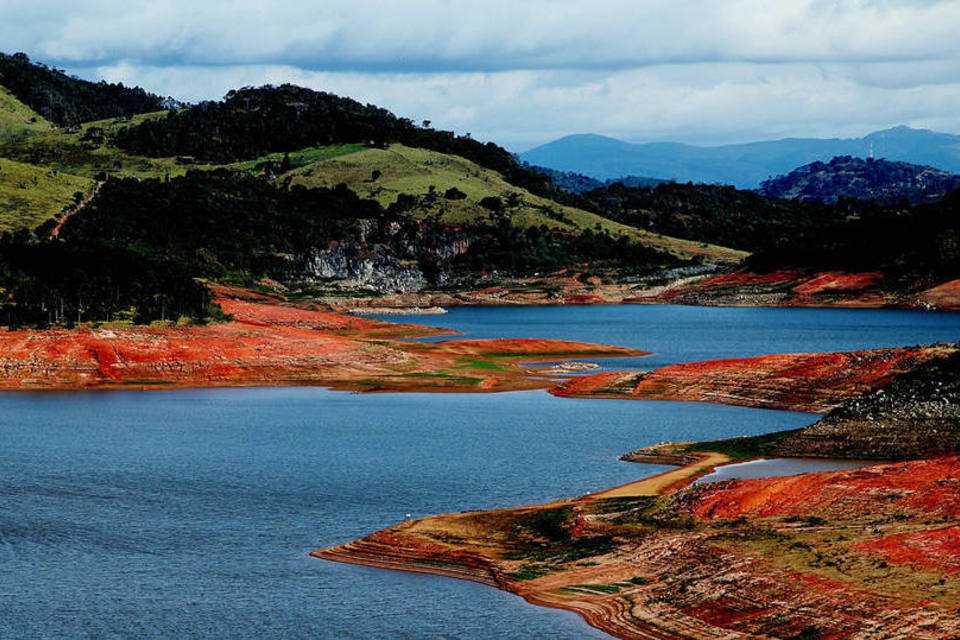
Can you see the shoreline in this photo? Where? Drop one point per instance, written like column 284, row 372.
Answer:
column 377, row 553
column 621, row 591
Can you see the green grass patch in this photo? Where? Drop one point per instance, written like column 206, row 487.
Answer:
column 592, row 588
column 29, row 195
column 300, row 158
column 744, row 448
column 385, row 174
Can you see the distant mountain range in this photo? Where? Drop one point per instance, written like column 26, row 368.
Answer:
column 866, row 179
column 579, row 183
column 742, row 165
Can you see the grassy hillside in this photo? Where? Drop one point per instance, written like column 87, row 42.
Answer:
column 88, row 150
column 30, row 195
column 428, row 175
column 17, row 119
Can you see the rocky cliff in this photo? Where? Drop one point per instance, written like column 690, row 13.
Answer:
column 373, row 269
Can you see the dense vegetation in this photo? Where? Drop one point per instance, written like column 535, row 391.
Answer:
column 864, row 179
column 710, row 213
column 498, row 244
column 252, row 122
column 69, row 101
column 137, row 249
column 905, row 242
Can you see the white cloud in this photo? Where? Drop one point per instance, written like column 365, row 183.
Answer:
column 525, row 72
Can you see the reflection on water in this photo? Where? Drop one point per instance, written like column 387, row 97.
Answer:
column 776, row 467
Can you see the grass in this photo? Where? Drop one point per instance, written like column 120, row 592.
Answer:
column 743, row 448
column 17, row 119
column 86, row 152
column 31, row 195
column 591, row 588
column 81, row 153
column 428, row 174
column 301, row 158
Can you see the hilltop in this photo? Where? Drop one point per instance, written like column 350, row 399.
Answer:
column 69, row 101
column 864, row 179
column 743, row 165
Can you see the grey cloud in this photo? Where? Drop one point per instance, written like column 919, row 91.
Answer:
column 524, row 72
column 414, row 36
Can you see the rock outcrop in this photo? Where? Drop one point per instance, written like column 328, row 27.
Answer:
column 373, row 269
column 914, row 416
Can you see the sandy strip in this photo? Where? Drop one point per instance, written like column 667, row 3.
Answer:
column 668, row 481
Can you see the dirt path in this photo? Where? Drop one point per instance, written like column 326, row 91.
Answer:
column 80, row 206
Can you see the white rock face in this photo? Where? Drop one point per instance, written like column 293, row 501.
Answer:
column 371, row 269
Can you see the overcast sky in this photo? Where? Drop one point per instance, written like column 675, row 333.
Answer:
column 523, row 72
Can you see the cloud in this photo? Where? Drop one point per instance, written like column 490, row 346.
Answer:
column 524, row 72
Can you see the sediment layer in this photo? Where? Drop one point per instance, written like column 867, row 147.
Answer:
column 796, row 288
column 269, row 342
column 829, row 555
column 792, row 288
column 814, row 382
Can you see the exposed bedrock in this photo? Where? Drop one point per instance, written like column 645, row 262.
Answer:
column 914, row 416
column 815, row 382
column 372, row 269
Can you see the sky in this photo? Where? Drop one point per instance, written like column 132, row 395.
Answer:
column 524, row 72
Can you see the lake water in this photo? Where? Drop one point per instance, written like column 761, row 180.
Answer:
column 189, row 514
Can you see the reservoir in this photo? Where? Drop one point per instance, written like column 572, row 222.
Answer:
column 190, row 513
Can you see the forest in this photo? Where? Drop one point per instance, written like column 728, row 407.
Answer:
column 69, row 101
column 141, row 249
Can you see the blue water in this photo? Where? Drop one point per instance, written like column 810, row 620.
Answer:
column 687, row 334
column 189, row 514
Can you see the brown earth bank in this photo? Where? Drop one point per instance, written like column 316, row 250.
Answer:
column 269, row 342
column 798, row 288
column 793, row 288
column 814, row 382
column 869, row 553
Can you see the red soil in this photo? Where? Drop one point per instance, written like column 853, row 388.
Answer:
column 931, row 549
column 801, row 382
column 796, row 288
column 944, row 296
column 838, row 281
column 272, row 343
column 918, row 490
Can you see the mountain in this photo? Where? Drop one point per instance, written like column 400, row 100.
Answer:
column 579, row 183
column 742, row 165
column 865, row 179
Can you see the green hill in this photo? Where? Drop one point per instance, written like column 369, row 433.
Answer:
column 17, row 119
column 31, row 195
column 88, row 150
column 459, row 190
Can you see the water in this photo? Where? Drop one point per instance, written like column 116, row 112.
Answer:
column 180, row 514
column 688, row 334
column 776, row 467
